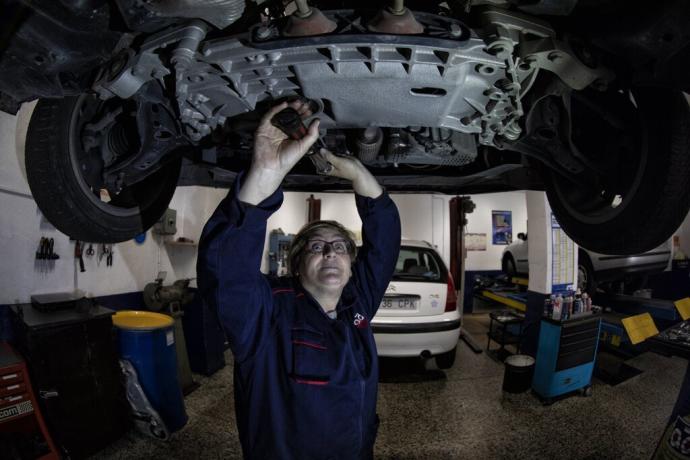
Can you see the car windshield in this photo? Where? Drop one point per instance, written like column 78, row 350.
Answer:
column 417, row 264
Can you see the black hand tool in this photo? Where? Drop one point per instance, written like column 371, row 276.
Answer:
column 289, row 121
column 41, row 253
column 77, row 254
column 51, row 253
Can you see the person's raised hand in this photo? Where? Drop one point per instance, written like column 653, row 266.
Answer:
column 273, row 150
column 350, row 168
column 345, row 167
column 275, row 154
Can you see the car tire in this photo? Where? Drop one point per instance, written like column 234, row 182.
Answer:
column 445, row 360
column 657, row 199
column 509, row 267
column 62, row 193
column 586, row 279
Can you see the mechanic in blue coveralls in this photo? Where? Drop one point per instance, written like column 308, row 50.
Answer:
column 306, row 369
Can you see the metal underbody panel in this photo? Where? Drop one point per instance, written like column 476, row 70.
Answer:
column 448, row 79
column 395, row 85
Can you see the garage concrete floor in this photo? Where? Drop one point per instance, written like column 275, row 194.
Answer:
column 457, row 414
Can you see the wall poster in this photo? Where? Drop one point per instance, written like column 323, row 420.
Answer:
column 475, row 241
column 562, row 258
column 502, row 227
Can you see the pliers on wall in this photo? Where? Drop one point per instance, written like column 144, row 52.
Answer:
column 107, row 252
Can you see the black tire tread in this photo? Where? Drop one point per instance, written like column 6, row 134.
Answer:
column 445, row 360
column 506, row 259
column 58, row 195
column 663, row 201
column 584, row 260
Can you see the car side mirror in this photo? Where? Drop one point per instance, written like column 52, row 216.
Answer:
column 522, row 236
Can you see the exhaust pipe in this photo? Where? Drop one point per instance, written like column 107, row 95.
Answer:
column 426, row 354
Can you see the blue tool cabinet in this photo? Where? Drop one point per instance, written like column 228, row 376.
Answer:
column 565, row 356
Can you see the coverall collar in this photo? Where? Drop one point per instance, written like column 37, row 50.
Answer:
column 346, row 301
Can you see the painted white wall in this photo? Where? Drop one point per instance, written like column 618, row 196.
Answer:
column 480, row 222
column 423, row 217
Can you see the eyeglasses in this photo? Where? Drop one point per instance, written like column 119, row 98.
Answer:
column 319, row 246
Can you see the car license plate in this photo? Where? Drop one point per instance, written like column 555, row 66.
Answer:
column 399, row 303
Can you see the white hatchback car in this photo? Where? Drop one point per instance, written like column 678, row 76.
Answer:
column 419, row 315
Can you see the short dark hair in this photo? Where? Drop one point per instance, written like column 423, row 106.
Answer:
column 309, row 230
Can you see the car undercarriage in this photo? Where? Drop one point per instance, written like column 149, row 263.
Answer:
column 580, row 99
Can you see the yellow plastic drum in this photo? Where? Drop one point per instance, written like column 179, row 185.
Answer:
column 147, row 340
column 141, row 320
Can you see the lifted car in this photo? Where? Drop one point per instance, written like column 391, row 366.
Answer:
column 594, row 269
column 583, row 99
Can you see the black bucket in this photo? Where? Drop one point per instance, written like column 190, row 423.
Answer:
column 518, row 374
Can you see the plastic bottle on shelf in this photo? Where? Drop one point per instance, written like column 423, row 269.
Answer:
column 558, row 308
column 548, row 307
column 577, row 307
column 567, row 307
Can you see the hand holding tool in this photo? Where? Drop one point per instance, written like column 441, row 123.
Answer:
column 289, row 121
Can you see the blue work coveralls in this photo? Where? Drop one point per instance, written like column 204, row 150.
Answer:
column 305, row 384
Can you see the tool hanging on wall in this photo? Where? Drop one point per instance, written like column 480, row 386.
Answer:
column 46, row 254
column 46, row 249
column 90, row 252
column 40, row 254
column 107, row 252
column 78, row 255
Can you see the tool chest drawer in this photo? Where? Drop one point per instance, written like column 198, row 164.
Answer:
column 11, row 400
column 578, row 343
column 11, row 378
column 576, row 358
column 12, row 388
